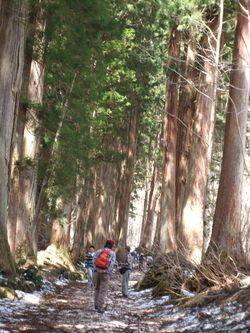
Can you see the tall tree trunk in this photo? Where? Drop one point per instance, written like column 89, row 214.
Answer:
column 144, row 215
column 127, row 178
column 90, row 212
column 61, row 226
column 147, row 238
column 101, row 205
column 191, row 225
column 96, row 211
column 14, row 194
column 45, row 229
column 146, row 199
column 168, row 201
column 79, row 221
column 32, row 91
column 12, row 40
column 186, row 110
column 227, row 218
column 108, row 177
column 156, row 241
column 49, row 169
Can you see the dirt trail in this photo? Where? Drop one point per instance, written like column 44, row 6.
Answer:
column 70, row 309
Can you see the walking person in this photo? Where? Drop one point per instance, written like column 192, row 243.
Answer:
column 104, row 260
column 89, row 265
column 141, row 262
column 126, row 267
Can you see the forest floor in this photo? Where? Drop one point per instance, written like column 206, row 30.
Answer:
column 70, row 309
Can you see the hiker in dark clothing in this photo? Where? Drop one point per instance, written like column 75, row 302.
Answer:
column 89, row 265
column 104, row 260
column 135, row 256
column 141, row 262
column 126, row 267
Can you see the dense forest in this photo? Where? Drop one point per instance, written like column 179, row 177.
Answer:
column 101, row 99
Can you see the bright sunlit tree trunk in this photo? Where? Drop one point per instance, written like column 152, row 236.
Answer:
column 191, row 224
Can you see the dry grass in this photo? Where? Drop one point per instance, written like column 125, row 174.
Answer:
column 167, row 274
column 217, row 276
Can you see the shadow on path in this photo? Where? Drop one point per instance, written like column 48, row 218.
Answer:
column 71, row 309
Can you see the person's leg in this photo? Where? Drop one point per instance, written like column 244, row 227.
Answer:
column 90, row 276
column 97, row 289
column 123, row 283
column 91, row 281
column 125, row 279
column 104, row 285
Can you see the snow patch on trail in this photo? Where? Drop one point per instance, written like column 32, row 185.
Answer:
column 33, row 298
column 245, row 282
column 169, row 318
column 70, row 308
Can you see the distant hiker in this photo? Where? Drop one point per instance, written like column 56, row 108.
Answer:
column 141, row 262
column 135, row 256
column 126, row 267
column 89, row 265
column 104, row 260
column 150, row 261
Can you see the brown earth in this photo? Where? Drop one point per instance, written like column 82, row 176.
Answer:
column 70, row 309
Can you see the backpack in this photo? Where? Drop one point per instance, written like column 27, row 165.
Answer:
column 102, row 261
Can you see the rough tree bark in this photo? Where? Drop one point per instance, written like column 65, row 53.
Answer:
column 101, row 205
column 49, row 169
column 12, row 39
column 32, row 92
column 96, row 211
column 191, row 225
column 126, row 180
column 146, row 198
column 168, row 191
column 156, row 240
column 60, row 233
column 227, row 218
column 147, row 237
column 87, row 212
column 79, row 224
column 186, row 110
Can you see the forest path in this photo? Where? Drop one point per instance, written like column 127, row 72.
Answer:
column 71, row 309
